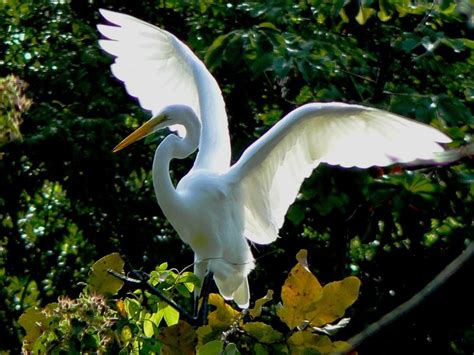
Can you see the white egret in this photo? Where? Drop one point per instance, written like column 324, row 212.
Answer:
column 217, row 208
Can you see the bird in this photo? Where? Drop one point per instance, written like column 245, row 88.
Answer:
column 219, row 209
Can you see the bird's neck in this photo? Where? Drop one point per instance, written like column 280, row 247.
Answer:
column 173, row 147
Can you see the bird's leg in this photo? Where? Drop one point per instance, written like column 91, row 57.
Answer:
column 201, row 313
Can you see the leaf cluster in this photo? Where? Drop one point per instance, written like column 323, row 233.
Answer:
column 140, row 322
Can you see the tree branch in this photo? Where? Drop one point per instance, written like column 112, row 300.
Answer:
column 413, row 302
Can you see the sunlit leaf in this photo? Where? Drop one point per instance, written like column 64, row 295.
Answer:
column 170, row 315
column 344, row 16
column 100, row 280
column 384, row 14
column 224, row 315
column 121, row 308
column 189, row 280
column 132, row 308
column 306, row 301
column 364, row 14
column 299, row 293
column 126, row 334
column 257, row 309
column 337, row 297
column 148, row 325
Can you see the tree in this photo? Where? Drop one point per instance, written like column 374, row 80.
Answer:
column 66, row 200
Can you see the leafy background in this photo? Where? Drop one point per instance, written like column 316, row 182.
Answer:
column 66, row 200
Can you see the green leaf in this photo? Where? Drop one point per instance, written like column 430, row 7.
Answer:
column 35, row 322
column 453, row 110
column 214, row 347
column 190, row 280
column 205, row 334
column 100, row 280
column 296, row 214
column 215, row 52
column 231, row 349
column 148, row 325
column 268, row 25
column 171, row 315
column 264, row 333
column 132, row 308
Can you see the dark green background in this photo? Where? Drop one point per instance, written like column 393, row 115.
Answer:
column 67, row 200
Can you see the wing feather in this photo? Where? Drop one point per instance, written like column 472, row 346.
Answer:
column 160, row 70
column 270, row 172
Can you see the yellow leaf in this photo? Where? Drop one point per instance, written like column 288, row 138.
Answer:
column 178, row 339
column 304, row 341
column 364, row 14
column 224, row 315
column 385, row 10
column 264, row 333
column 383, row 16
column 337, row 297
column 257, row 310
column 126, row 334
column 100, row 280
column 344, row 16
column 121, row 308
column 299, row 293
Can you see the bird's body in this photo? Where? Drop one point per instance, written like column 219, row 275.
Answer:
column 217, row 208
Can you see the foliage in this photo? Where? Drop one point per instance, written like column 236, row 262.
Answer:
column 12, row 105
column 66, row 200
column 133, row 324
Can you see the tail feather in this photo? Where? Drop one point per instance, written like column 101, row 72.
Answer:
column 242, row 295
column 234, row 288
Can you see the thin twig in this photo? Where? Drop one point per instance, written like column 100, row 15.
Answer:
column 153, row 290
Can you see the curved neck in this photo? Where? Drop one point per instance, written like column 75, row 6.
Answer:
column 173, row 147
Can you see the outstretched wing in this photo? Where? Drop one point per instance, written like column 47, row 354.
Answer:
column 160, row 70
column 270, row 172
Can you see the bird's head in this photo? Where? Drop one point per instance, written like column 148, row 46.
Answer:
column 172, row 117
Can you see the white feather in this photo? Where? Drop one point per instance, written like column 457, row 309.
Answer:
column 159, row 70
column 270, row 172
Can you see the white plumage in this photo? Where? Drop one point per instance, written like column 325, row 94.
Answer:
column 216, row 207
